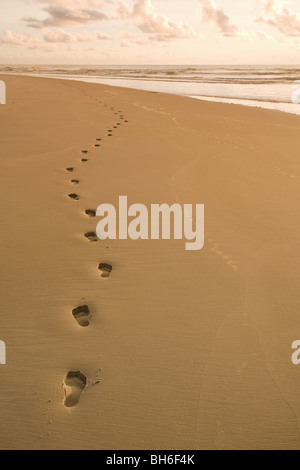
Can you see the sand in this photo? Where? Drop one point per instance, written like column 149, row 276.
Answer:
column 184, row 350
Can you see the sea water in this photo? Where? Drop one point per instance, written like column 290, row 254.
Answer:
column 270, row 87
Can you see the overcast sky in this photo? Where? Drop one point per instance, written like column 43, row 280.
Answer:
column 150, row 32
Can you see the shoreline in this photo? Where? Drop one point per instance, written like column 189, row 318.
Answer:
column 175, row 350
column 279, row 106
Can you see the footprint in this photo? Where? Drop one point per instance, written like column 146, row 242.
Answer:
column 70, row 170
column 75, row 181
column 74, row 196
column 118, row 123
column 109, row 135
column 97, row 145
column 84, row 151
column 90, row 213
column 91, row 236
column 105, row 269
column 82, row 315
column 74, row 385
column 98, row 140
column 115, row 127
column 84, row 160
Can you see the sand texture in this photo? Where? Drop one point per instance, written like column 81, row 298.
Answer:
column 141, row 344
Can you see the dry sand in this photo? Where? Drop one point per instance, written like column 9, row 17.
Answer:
column 192, row 349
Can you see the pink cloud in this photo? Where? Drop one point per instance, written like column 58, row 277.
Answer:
column 149, row 22
column 103, row 36
column 64, row 13
column 278, row 14
column 61, row 36
column 78, row 4
column 8, row 37
column 212, row 14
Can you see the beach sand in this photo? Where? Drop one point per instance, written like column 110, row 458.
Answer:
column 185, row 350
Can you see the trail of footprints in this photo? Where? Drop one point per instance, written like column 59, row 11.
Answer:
column 76, row 382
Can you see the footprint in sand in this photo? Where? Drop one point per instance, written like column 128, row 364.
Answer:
column 91, row 236
column 75, row 181
column 74, row 196
column 84, row 152
column 98, row 140
column 97, row 145
column 105, row 269
column 74, row 384
column 84, row 160
column 82, row 315
column 109, row 135
column 90, row 212
column 70, row 170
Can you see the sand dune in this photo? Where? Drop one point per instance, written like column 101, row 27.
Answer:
column 141, row 344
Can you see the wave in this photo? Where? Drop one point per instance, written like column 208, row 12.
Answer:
column 261, row 84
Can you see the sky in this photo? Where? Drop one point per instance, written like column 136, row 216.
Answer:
column 146, row 32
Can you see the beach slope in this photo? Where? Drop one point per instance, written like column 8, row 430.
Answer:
column 184, row 349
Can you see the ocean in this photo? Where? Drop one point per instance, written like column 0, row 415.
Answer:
column 271, row 87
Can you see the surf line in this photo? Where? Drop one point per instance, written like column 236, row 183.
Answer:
column 158, row 222
column 2, row 353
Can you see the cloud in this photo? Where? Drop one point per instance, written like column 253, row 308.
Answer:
column 8, row 37
column 278, row 14
column 159, row 27
column 263, row 36
column 212, row 14
column 129, row 40
column 61, row 16
column 78, row 4
column 61, row 36
column 43, row 47
column 103, row 36
column 49, row 37
column 125, row 35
